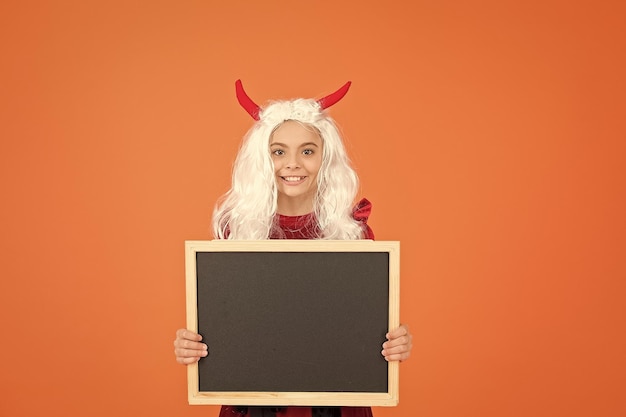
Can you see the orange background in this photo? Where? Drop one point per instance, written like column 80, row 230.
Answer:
column 489, row 136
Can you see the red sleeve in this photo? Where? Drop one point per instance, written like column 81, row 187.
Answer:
column 361, row 213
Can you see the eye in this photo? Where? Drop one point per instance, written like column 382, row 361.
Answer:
column 308, row 152
column 278, row 152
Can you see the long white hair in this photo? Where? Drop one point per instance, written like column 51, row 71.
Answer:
column 248, row 209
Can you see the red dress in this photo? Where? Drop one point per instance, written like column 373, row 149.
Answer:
column 305, row 227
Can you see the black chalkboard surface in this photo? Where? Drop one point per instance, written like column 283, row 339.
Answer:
column 293, row 322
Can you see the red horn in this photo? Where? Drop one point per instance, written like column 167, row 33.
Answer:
column 246, row 102
column 331, row 99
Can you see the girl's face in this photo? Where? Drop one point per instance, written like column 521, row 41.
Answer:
column 296, row 151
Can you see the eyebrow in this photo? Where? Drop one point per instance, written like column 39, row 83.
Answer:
column 300, row 146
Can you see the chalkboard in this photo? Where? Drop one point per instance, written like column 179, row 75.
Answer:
column 293, row 322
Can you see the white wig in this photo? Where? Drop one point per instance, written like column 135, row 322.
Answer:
column 248, row 209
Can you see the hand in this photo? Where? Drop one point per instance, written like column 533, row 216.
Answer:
column 188, row 347
column 398, row 345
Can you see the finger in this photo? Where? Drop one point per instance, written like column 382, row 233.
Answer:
column 397, row 353
column 399, row 341
column 396, row 349
column 188, row 334
column 400, row 331
column 190, row 353
column 397, row 357
column 188, row 344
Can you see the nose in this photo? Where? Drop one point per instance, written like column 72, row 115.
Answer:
column 293, row 162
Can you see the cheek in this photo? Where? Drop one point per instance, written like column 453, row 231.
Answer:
column 315, row 166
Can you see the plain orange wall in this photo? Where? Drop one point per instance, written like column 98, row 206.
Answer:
column 489, row 136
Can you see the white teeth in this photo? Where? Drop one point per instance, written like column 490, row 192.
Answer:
column 290, row 179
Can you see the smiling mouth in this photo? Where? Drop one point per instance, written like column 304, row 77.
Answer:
column 293, row 179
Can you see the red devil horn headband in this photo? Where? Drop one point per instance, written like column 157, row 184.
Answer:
column 253, row 109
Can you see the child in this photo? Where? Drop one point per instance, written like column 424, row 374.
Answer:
column 292, row 179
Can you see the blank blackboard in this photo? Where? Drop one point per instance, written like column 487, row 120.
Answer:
column 293, row 322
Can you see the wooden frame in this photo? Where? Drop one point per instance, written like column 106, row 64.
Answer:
column 341, row 257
